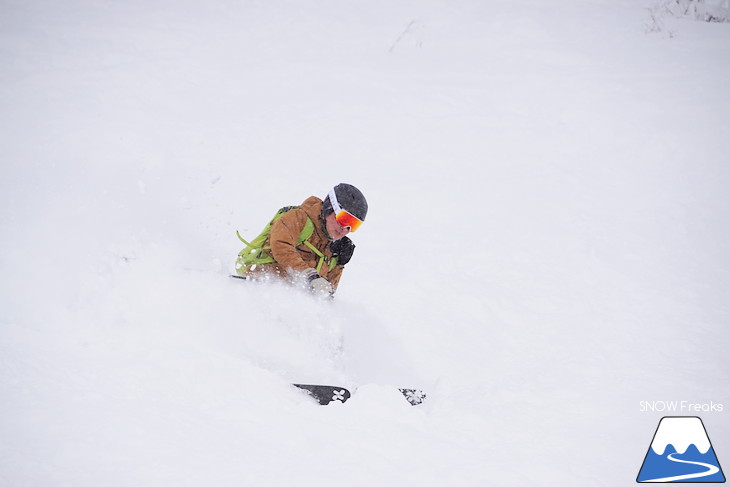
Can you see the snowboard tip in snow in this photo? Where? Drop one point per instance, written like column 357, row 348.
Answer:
column 325, row 394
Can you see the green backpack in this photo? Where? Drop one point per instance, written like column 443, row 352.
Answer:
column 255, row 253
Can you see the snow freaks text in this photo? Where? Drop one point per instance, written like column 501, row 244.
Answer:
column 683, row 407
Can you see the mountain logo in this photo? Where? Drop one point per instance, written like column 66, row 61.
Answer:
column 681, row 452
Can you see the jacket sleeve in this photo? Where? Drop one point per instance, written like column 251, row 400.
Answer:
column 283, row 240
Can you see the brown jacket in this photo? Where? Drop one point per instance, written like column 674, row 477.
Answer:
column 292, row 260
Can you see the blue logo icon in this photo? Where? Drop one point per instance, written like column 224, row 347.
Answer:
column 681, row 452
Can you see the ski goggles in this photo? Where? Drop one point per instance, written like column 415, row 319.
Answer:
column 343, row 217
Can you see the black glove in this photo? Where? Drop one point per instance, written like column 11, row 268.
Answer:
column 343, row 249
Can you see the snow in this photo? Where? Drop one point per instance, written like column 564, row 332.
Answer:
column 547, row 243
column 681, row 432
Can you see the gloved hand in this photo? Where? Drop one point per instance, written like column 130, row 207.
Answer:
column 318, row 284
column 343, row 249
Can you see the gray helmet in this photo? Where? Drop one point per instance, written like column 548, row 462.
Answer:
column 347, row 197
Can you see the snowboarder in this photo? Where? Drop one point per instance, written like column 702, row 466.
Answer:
column 307, row 242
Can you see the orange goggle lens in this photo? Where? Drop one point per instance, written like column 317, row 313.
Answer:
column 346, row 219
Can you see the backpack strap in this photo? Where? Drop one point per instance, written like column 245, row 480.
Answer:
column 241, row 239
column 307, row 232
column 331, row 263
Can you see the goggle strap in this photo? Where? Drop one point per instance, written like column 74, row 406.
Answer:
column 333, row 200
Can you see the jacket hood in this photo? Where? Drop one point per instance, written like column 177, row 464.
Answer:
column 313, row 207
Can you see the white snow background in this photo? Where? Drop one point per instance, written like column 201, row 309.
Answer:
column 547, row 243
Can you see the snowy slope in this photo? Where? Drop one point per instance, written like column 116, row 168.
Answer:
column 547, row 243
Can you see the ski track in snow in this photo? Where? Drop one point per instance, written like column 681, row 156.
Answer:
column 711, row 470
